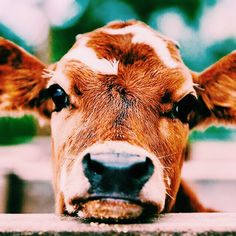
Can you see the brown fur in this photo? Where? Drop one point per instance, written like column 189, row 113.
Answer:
column 21, row 81
column 118, row 24
column 218, row 86
column 132, row 106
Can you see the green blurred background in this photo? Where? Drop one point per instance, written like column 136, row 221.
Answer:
column 206, row 31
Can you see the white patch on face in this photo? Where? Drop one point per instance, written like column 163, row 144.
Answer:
column 116, row 147
column 88, row 57
column 154, row 189
column 62, row 128
column 147, row 36
column 60, row 78
column 74, row 183
column 164, row 128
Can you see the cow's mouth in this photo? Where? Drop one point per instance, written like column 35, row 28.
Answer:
column 107, row 209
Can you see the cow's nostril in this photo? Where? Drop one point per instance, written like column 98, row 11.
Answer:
column 116, row 175
column 142, row 170
column 92, row 166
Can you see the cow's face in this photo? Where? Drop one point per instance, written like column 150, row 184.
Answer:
column 120, row 124
column 121, row 104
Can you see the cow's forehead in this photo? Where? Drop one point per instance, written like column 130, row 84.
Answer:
column 109, row 40
column 131, row 45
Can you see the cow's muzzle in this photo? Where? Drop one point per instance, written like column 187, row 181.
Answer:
column 116, row 180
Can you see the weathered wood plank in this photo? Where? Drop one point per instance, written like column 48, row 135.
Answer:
column 169, row 224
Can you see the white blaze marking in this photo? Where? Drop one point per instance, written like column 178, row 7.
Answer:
column 74, row 183
column 88, row 56
column 147, row 36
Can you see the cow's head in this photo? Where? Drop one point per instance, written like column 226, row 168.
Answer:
column 121, row 103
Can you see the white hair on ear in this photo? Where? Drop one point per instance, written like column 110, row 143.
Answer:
column 198, row 87
column 47, row 73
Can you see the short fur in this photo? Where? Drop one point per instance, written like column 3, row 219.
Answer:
column 133, row 105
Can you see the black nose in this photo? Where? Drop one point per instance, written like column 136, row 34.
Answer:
column 117, row 174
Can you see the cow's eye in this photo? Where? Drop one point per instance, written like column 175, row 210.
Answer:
column 183, row 109
column 59, row 97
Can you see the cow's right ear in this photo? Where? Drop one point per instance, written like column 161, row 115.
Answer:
column 21, row 83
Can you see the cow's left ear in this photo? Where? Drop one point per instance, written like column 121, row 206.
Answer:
column 216, row 89
column 21, row 82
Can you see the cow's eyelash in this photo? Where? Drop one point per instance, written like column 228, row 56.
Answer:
column 47, row 74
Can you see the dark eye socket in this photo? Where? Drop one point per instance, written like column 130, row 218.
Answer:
column 183, row 109
column 59, row 97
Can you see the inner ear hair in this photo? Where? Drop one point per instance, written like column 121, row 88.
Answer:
column 21, row 82
column 216, row 90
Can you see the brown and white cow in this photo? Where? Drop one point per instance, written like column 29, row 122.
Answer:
column 121, row 104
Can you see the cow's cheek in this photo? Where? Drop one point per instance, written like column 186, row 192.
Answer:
column 62, row 128
column 172, row 182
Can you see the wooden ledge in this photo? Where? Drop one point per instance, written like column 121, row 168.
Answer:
column 169, row 224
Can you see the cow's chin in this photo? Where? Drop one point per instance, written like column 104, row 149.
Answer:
column 110, row 210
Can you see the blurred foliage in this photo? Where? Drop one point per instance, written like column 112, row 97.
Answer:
column 96, row 13
column 213, row 133
column 99, row 12
column 17, row 130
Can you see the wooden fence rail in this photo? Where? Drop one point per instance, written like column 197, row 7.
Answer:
column 169, row 224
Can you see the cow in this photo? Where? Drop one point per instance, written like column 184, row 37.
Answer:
column 121, row 103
